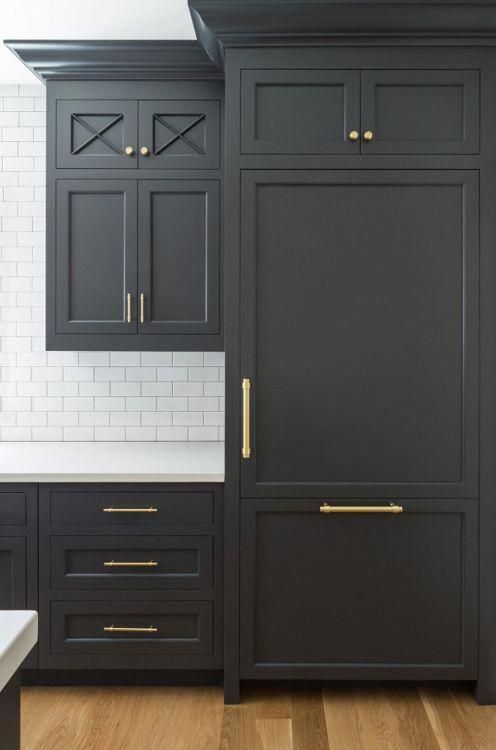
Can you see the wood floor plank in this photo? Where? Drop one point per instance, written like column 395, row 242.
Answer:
column 239, row 728
column 271, row 701
column 308, row 720
column 274, row 734
column 458, row 721
column 376, row 718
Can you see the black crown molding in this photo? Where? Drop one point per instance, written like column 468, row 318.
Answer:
column 115, row 60
column 224, row 23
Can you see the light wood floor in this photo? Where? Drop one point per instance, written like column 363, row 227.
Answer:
column 341, row 718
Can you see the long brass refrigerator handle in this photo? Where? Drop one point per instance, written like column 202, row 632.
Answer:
column 114, row 629
column 129, row 308
column 391, row 508
column 142, row 308
column 246, row 449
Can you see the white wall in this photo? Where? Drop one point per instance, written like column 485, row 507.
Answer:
column 93, row 19
column 77, row 395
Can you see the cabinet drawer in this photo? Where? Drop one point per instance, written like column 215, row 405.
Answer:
column 13, row 510
column 421, row 111
column 136, row 506
column 178, row 562
column 367, row 594
column 299, row 111
column 172, row 627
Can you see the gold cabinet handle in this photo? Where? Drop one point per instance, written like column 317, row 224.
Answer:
column 129, row 150
column 142, row 308
column 368, row 135
column 111, row 509
column 246, row 450
column 392, row 508
column 114, row 564
column 129, row 316
column 144, row 151
column 114, row 629
column 354, row 135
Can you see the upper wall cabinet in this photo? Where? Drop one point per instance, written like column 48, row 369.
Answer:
column 163, row 134
column 367, row 112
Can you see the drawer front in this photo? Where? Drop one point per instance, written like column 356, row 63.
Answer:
column 179, row 562
column 390, row 595
column 299, row 111
column 115, row 507
column 178, row 628
column 421, row 111
column 13, row 510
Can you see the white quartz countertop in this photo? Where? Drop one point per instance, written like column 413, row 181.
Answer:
column 112, row 462
column 18, row 635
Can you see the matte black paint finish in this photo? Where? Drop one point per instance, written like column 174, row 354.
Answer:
column 100, row 246
column 340, row 595
column 10, row 713
column 382, row 268
column 182, row 596
column 92, row 60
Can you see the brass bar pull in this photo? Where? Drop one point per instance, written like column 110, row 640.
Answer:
column 246, row 450
column 151, row 509
column 142, row 308
column 114, row 629
column 129, row 308
column 392, row 508
column 114, row 564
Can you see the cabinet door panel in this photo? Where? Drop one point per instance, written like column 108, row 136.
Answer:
column 299, row 111
column 421, row 111
column 359, row 299
column 179, row 256
column 359, row 595
column 12, row 573
column 95, row 134
column 180, row 134
column 95, row 256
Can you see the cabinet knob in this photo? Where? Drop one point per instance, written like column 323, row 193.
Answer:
column 354, row 135
column 129, row 150
column 368, row 135
column 144, row 151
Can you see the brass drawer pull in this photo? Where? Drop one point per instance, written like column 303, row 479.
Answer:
column 114, row 629
column 392, row 508
column 246, row 450
column 114, row 564
column 111, row 509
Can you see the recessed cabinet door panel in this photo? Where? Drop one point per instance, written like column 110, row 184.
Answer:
column 179, row 256
column 180, row 134
column 299, row 111
column 359, row 595
column 96, row 256
column 95, row 134
column 359, row 299
column 421, row 111
column 12, row 572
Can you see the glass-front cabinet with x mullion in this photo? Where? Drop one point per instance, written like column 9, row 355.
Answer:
column 135, row 250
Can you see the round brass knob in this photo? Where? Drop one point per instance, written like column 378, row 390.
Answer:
column 144, row 151
column 129, row 150
column 354, row 135
column 368, row 135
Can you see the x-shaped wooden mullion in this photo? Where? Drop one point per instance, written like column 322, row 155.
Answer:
column 179, row 134
column 96, row 134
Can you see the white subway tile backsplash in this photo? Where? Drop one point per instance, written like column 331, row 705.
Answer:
column 69, row 395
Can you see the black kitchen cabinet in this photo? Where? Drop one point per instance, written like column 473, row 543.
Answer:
column 134, row 240
column 19, row 551
column 380, row 290
column 327, row 595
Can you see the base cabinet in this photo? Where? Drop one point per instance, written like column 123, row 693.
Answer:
column 359, row 595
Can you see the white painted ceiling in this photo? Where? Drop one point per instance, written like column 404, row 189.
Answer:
column 87, row 19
